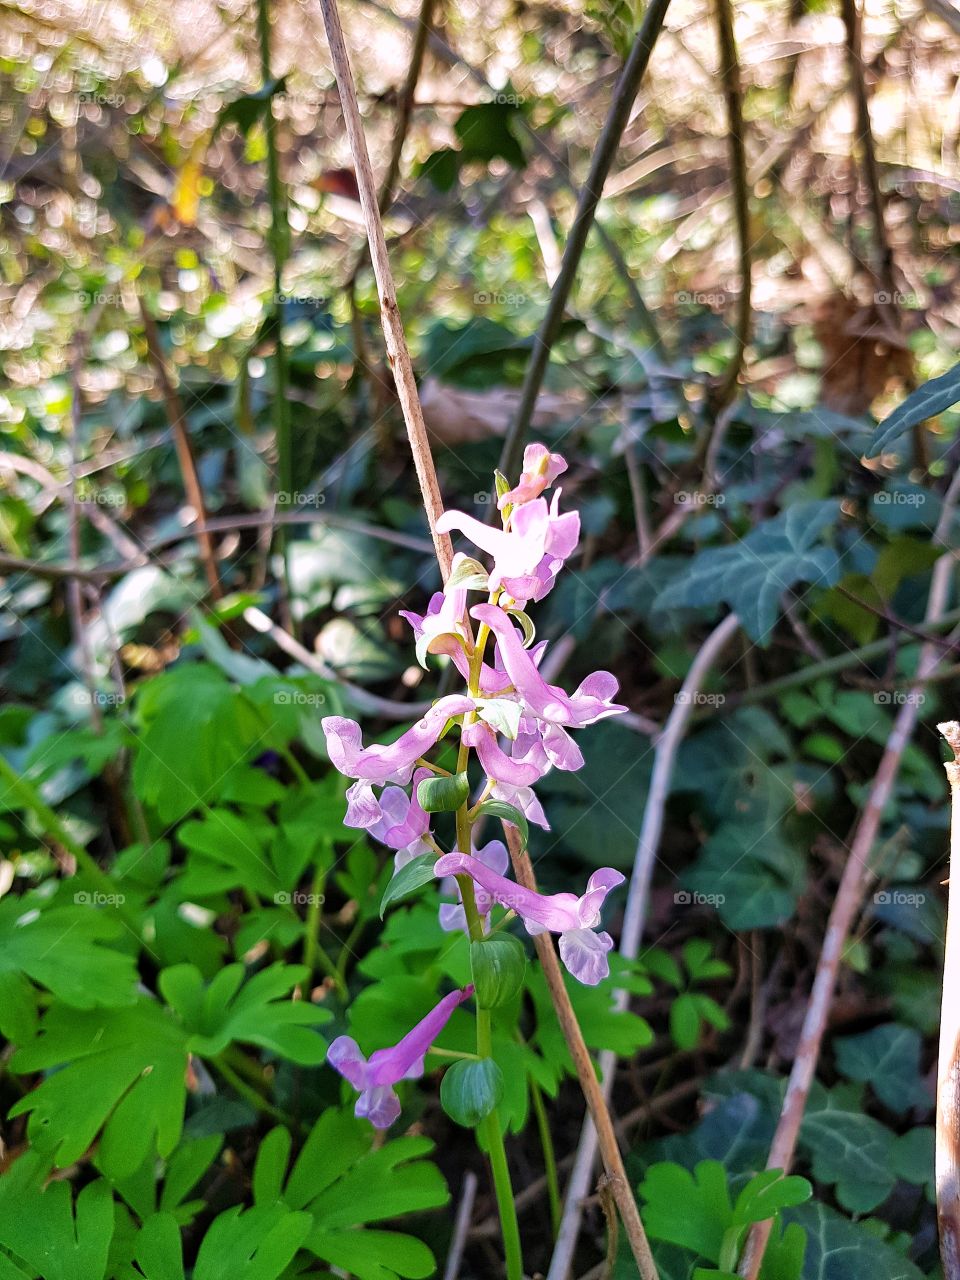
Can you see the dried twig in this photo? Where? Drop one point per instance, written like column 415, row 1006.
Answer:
column 948, row 1072
column 397, row 351
column 181, row 440
column 730, row 74
column 617, row 1178
column 461, row 1226
column 603, row 157
column 634, row 916
column 850, row 891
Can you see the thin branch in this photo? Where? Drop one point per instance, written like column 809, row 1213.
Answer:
column 853, row 883
column 181, row 440
column 367, row 702
column 596, row 1103
column 397, row 351
column 948, row 1067
column 885, row 285
column 730, row 74
column 603, row 157
column 461, row 1226
column 636, row 909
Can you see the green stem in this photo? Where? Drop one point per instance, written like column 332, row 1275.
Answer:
column 314, row 954
column 489, row 1128
column 55, row 830
column 294, row 765
column 279, row 234
column 829, row 667
column 249, row 1094
column 549, row 1156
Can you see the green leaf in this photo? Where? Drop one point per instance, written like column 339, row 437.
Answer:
column 344, row 1184
column 122, row 1071
column 752, row 574
column 63, row 949
column 56, row 1240
column 749, row 873
column 498, row 965
column 485, row 133
column 175, row 771
column 246, row 110
column 851, row 1151
column 507, row 813
column 443, row 795
column 470, row 1091
column 417, row 873
column 841, row 1250
column 888, row 1059
column 926, row 402
column 468, row 575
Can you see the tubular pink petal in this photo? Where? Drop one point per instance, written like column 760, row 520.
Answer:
column 392, row 763
column 387, row 1066
column 495, row 762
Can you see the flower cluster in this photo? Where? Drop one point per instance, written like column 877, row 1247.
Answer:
column 517, row 725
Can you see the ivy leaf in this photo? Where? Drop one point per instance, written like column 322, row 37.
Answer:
column 926, row 402
column 888, row 1059
column 852, row 1151
column 752, row 574
column 841, row 1250
column 750, row 874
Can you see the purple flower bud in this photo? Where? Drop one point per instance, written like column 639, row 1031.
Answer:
column 540, row 469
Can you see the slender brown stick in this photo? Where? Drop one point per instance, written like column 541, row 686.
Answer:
column 730, row 74
column 607, row 145
column 882, row 269
column 948, row 1067
column 613, row 1166
column 853, row 883
column 181, row 441
column 397, row 351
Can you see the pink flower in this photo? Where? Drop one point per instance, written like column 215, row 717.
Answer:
column 440, row 629
column 393, row 763
column 592, row 701
column 521, row 798
column 375, row 1076
column 495, row 762
column 540, row 469
column 398, row 820
column 452, row 915
column 583, row 949
column 528, row 556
